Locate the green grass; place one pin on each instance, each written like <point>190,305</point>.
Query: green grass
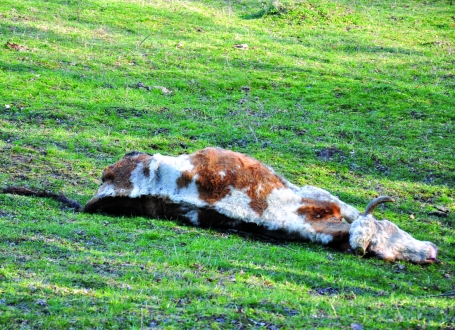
<point>357,97</point>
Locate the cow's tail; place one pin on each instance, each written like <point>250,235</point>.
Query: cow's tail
<point>43,193</point>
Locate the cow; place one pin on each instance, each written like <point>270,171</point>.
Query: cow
<point>219,188</point>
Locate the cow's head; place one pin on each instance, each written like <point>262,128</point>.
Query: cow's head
<point>385,240</point>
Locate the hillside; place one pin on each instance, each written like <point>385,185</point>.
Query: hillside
<point>357,97</point>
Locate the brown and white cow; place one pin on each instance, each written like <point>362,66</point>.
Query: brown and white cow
<point>220,188</point>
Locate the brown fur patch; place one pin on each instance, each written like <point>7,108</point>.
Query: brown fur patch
<point>119,173</point>
<point>146,168</point>
<point>314,210</point>
<point>218,170</point>
<point>325,218</point>
<point>184,180</point>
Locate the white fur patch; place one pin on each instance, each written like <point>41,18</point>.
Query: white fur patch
<point>106,190</point>
<point>323,238</point>
<point>236,206</point>
<point>140,182</point>
<point>166,171</point>
<point>280,214</point>
<point>193,216</point>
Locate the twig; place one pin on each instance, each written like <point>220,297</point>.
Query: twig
<point>254,134</point>
<point>143,40</point>
<point>334,311</point>
<point>445,294</point>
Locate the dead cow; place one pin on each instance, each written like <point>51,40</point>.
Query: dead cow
<point>220,188</point>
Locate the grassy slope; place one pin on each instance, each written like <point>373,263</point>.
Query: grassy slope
<point>354,97</point>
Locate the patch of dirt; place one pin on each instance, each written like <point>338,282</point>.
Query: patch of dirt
<point>235,143</point>
<point>37,117</point>
<point>30,166</point>
<point>417,114</point>
<point>296,131</point>
<point>162,131</point>
<point>89,283</point>
<point>329,153</point>
<point>346,293</point>
<point>324,291</point>
<point>7,214</point>
<point>379,166</point>
<point>122,112</point>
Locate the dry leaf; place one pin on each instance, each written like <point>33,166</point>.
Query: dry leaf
<point>241,46</point>
<point>16,47</point>
<point>163,89</point>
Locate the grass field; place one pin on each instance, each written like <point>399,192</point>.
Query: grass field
<point>357,97</point>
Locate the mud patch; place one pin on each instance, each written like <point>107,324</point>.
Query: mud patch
<point>235,143</point>
<point>346,293</point>
<point>330,153</point>
<point>48,116</point>
<point>89,283</point>
<point>324,292</point>
<point>122,112</point>
<point>379,166</point>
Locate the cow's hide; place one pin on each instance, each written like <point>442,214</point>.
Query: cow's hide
<point>220,188</point>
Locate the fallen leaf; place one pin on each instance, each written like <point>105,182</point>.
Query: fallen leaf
<point>438,214</point>
<point>16,47</point>
<point>442,209</point>
<point>141,85</point>
<point>241,46</point>
<point>163,89</point>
